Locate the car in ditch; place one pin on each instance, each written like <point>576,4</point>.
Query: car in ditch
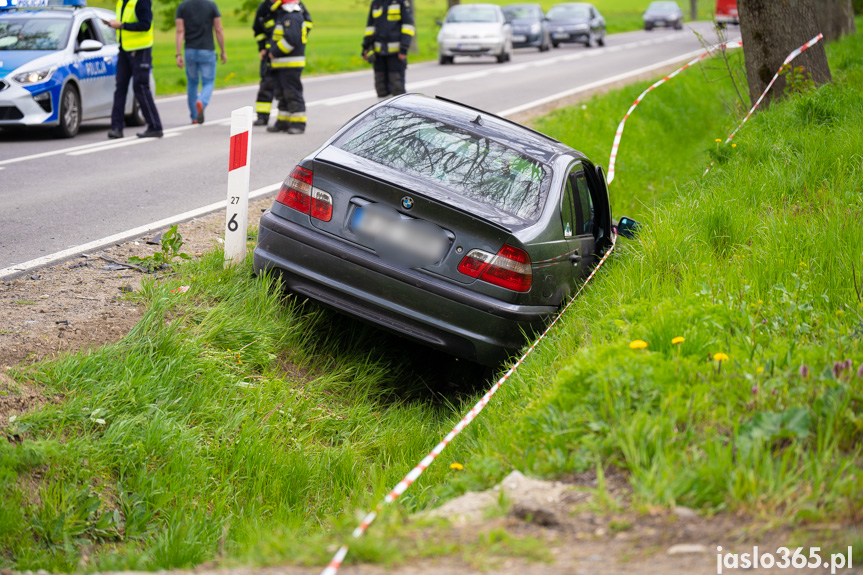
<point>439,222</point>
<point>474,30</point>
<point>58,64</point>
<point>576,22</point>
<point>663,14</point>
<point>529,26</point>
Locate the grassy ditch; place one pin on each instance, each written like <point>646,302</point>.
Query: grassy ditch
<point>235,424</point>
<point>334,46</point>
<point>758,262</point>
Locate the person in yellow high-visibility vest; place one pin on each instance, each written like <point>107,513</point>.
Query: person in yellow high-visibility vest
<point>134,26</point>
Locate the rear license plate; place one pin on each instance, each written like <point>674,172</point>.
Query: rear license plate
<point>469,47</point>
<point>519,38</point>
<point>410,242</point>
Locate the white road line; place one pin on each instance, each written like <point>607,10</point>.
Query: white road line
<point>122,143</point>
<point>136,232</point>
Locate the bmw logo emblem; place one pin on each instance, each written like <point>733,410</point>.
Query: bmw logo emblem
<point>407,202</point>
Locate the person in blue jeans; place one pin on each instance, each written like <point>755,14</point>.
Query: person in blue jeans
<point>196,20</point>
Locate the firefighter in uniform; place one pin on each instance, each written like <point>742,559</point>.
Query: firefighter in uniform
<point>389,32</point>
<point>291,27</point>
<point>265,21</point>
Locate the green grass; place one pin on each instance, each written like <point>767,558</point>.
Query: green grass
<point>237,425</point>
<point>335,43</point>
<point>755,260</point>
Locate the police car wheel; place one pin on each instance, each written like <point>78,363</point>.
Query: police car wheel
<point>70,113</point>
<point>135,118</point>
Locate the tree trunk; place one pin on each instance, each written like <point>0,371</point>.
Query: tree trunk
<point>770,31</point>
<point>835,18</point>
<point>693,9</point>
<point>454,2</point>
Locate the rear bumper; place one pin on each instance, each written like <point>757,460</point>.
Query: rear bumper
<point>413,304</point>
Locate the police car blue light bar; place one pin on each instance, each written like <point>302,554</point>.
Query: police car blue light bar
<point>11,4</point>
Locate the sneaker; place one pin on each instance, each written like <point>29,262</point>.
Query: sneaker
<point>199,106</point>
<point>261,121</point>
<point>150,134</point>
<point>296,130</point>
<point>115,134</point>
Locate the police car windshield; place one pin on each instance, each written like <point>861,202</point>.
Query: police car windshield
<point>468,13</point>
<point>21,33</point>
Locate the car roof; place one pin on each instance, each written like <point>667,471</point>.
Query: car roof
<point>53,13</point>
<point>529,142</point>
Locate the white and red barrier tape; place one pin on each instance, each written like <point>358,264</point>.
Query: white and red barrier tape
<point>402,485</point>
<point>613,157</point>
<point>790,57</point>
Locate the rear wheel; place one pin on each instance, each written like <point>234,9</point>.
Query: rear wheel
<point>601,41</point>
<point>555,44</point>
<point>445,60</point>
<point>70,112</point>
<point>135,118</point>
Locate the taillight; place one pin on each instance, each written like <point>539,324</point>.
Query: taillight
<point>509,269</point>
<point>298,193</point>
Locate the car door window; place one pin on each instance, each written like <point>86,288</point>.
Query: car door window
<point>567,211</point>
<point>109,36</point>
<point>583,203</point>
<point>87,31</point>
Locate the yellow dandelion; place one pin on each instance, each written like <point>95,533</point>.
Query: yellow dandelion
<point>678,340</point>
<point>759,369</point>
<point>733,145</point>
<point>720,356</point>
<point>456,466</point>
<point>718,140</point>
<point>638,344</point>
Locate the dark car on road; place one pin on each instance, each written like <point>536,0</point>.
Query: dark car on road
<point>666,14</point>
<point>576,22</point>
<point>529,26</point>
<point>439,222</point>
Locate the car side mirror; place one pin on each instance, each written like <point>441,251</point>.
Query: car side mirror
<point>90,46</point>
<point>627,228</point>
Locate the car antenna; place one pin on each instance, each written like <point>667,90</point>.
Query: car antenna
<point>477,120</point>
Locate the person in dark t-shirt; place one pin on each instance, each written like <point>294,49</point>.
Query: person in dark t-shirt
<point>196,20</point>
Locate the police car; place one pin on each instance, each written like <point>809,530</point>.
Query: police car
<point>58,61</point>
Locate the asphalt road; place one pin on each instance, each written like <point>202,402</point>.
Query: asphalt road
<point>56,195</point>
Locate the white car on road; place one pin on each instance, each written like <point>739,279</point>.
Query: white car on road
<point>474,30</point>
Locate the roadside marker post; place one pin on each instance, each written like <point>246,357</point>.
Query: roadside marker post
<point>239,174</point>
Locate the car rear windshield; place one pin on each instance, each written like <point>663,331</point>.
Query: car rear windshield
<point>468,13</point>
<point>521,12</point>
<point>34,33</point>
<point>470,165</point>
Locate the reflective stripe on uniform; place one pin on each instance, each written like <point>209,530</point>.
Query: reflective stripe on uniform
<point>393,46</point>
<point>269,23</point>
<point>284,46</point>
<point>377,13</point>
<point>260,37</point>
<point>289,62</point>
<point>298,118</point>
<point>409,30</point>
<point>263,107</point>
<point>370,30</point>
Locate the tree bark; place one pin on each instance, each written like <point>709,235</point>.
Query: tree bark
<point>693,9</point>
<point>770,31</point>
<point>454,2</point>
<point>835,18</point>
